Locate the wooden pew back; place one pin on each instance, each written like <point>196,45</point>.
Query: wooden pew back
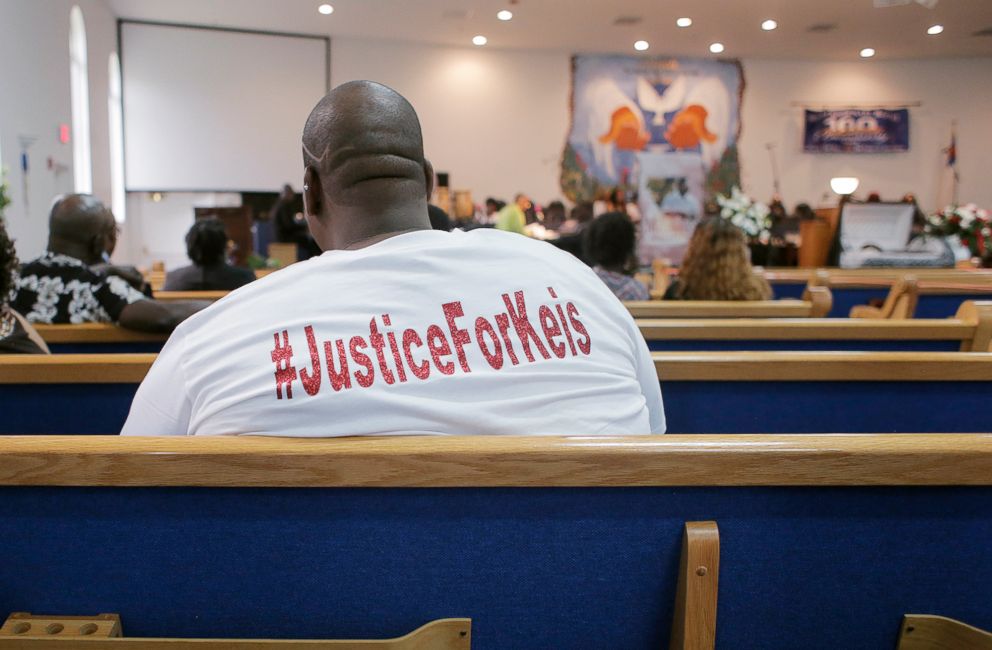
<point>817,306</point>
<point>95,338</point>
<point>542,542</point>
<point>824,392</point>
<point>705,392</point>
<point>939,291</point>
<point>190,295</point>
<point>968,332</point>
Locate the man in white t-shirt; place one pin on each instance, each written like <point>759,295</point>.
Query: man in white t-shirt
<point>397,328</point>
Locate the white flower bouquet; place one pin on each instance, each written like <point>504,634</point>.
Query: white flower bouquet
<point>753,217</point>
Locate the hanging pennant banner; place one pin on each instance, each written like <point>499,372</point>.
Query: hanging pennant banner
<point>856,131</point>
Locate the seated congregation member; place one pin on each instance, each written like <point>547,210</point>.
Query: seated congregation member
<point>129,274</point>
<point>717,266</point>
<point>397,328</point>
<point>572,239</point>
<point>513,217</point>
<point>60,286</point>
<point>609,241</point>
<point>554,215</point>
<point>16,334</point>
<point>206,246</point>
<point>439,218</point>
<point>578,219</point>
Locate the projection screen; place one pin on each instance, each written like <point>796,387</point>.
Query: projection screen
<point>209,109</point>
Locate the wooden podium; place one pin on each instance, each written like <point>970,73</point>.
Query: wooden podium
<point>817,235</point>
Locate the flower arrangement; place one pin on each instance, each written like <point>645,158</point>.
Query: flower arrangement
<point>4,196</point>
<point>753,217</point>
<point>971,224</point>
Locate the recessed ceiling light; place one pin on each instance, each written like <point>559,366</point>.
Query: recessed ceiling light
<point>935,29</point>
<point>505,15</point>
<point>479,40</point>
<point>769,25</point>
<point>640,46</point>
<point>716,48</point>
<point>684,22</point>
<point>867,53</point>
<point>326,9</point>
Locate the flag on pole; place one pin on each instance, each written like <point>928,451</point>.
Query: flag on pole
<point>947,190</point>
<point>952,151</point>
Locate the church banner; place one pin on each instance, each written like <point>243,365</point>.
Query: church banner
<point>852,130</point>
<point>661,129</point>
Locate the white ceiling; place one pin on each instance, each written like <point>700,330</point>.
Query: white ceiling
<point>587,25</point>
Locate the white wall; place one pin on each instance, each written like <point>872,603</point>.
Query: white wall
<point>948,89</point>
<point>156,230</point>
<point>34,101</point>
<point>496,120</point>
<point>236,101</point>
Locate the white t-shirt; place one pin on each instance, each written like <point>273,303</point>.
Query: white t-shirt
<point>428,332</point>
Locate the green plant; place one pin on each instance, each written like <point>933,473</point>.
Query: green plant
<point>4,192</point>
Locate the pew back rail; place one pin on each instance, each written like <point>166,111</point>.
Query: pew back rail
<point>972,326</point>
<point>499,461</point>
<point>817,306</point>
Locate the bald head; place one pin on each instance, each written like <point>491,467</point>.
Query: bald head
<point>363,150</point>
<point>80,226</point>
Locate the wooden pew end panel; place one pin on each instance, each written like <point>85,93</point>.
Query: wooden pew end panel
<point>99,632</point>
<point>979,315</point>
<point>23,625</point>
<point>821,299</point>
<point>694,621</point>
<point>923,632</point>
<point>900,303</point>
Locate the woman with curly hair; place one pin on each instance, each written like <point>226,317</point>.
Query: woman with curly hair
<point>717,266</point>
<point>16,335</point>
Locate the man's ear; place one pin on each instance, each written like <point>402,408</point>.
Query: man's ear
<point>429,178</point>
<point>313,194</point>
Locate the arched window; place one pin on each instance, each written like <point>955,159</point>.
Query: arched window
<point>115,114</point>
<point>80,95</point>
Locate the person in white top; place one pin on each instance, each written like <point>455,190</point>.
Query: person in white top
<point>397,328</point>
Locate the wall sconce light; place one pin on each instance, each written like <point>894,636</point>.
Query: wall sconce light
<point>844,185</point>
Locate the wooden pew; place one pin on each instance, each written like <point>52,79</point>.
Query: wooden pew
<point>704,392</point>
<point>69,393</point>
<point>926,299</point>
<point>854,287</point>
<point>816,306</point>
<point>681,334</point>
<point>94,338</point>
<point>800,277</point>
<point>969,331</point>
<point>824,392</point>
<point>827,541</point>
<point>190,295</point>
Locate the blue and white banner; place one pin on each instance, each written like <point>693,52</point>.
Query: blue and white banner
<point>856,131</point>
<point>661,128</point>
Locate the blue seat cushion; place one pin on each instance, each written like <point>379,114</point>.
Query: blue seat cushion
<point>569,568</point>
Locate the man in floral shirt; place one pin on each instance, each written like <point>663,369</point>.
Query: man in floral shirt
<point>61,287</point>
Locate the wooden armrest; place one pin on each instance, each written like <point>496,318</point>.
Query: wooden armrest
<point>866,311</point>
